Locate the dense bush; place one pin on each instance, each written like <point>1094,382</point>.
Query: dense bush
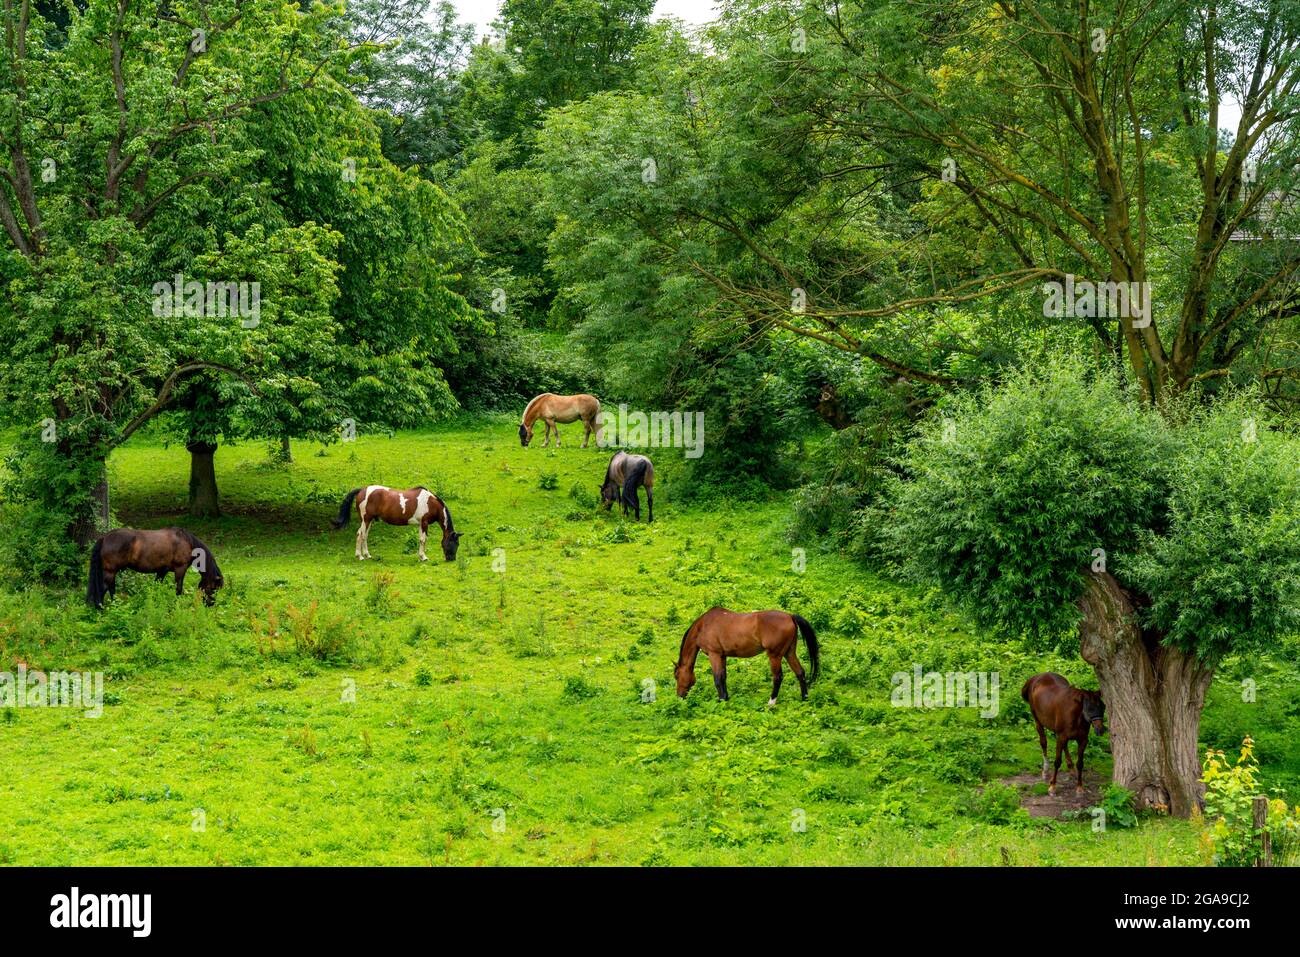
<point>1008,492</point>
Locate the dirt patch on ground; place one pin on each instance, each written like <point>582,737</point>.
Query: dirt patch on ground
<point>1046,805</point>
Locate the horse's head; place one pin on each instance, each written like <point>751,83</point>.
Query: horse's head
<point>685,675</point>
<point>525,435</point>
<point>608,493</point>
<point>449,546</point>
<point>211,581</point>
<point>1094,710</point>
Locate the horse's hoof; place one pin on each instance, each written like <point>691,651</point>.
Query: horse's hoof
<point>1052,791</point>
<point>1080,790</point>
<point>771,702</point>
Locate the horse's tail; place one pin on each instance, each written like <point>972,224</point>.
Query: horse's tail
<point>346,508</point>
<point>633,479</point>
<point>814,649</point>
<point>95,585</point>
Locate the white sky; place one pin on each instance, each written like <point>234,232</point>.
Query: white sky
<point>695,12</point>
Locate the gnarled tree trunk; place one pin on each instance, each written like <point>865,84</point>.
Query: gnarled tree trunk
<point>203,480</point>
<point>1153,694</point>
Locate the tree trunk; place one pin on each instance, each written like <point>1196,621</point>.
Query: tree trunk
<point>93,521</point>
<point>286,449</point>
<point>1153,695</point>
<point>203,481</point>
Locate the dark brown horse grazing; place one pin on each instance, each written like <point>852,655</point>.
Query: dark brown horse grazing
<point>160,551</point>
<point>723,634</point>
<point>556,410</point>
<point>626,473</point>
<point>414,506</point>
<point>1069,712</point>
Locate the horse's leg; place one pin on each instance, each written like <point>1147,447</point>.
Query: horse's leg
<point>1083,743</point>
<point>424,535</point>
<point>775,661</point>
<point>719,664</point>
<point>1056,768</point>
<point>586,431</point>
<point>110,583</point>
<point>650,505</point>
<point>180,579</point>
<point>161,575</point>
<point>361,537</point>
<point>556,426</point>
<point>797,668</point>
<point>365,537</point>
<point>1042,743</point>
<point>1069,761</point>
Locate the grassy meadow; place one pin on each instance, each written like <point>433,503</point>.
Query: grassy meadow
<point>328,711</point>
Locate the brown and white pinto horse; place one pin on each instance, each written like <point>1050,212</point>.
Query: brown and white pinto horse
<point>414,506</point>
<point>561,409</point>
<point>723,634</point>
<point>1069,712</point>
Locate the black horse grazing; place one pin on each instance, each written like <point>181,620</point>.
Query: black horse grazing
<point>160,551</point>
<point>1069,712</point>
<point>627,473</point>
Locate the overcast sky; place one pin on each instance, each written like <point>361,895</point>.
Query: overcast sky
<point>483,12</point>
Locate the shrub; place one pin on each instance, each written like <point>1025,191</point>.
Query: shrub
<point>1229,823</point>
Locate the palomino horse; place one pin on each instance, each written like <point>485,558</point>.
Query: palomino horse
<point>723,634</point>
<point>626,474</point>
<point>160,551</point>
<point>561,409</point>
<point>414,506</point>
<point>1069,712</point>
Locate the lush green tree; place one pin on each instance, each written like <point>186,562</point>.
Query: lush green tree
<point>219,141</point>
<point>900,180</point>
<point>1170,540</point>
<point>412,81</point>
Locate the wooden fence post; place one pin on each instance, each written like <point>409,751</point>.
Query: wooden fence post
<point>1259,808</point>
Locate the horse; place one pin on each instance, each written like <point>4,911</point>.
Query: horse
<point>160,551</point>
<point>1069,712</point>
<point>626,473</point>
<point>723,634</point>
<point>413,506</point>
<point>561,409</point>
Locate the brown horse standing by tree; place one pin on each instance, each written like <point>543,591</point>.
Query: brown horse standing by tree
<point>159,551</point>
<point>413,506</point>
<point>722,634</point>
<point>627,472</point>
<point>561,409</point>
<point>1069,712</point>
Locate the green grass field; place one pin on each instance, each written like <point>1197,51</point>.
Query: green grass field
<point>328,711</point>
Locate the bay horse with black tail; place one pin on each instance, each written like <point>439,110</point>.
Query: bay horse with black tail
<point>722,634</point>
<point>556,410</point>
<point>1069,712</point>
<point>159,551</point>
<point>626,474</point>
<point>412,506</point>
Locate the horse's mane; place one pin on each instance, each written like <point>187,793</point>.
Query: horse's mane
<point>609,469</point>
<point>682,650</point>
<point>209,576</point>
<point>529,407</point>
<point>446,514</point>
